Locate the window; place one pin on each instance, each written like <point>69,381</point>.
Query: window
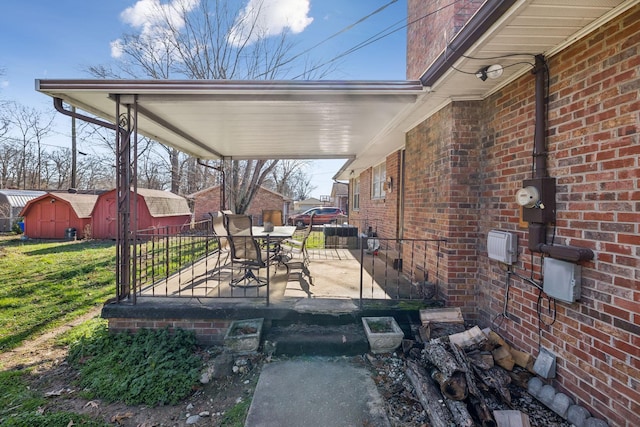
<point>355,205</point>
<point>379,176</point>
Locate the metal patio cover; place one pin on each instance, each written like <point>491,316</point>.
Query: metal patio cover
<point>213,119</point>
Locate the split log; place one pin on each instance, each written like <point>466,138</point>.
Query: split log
<point>440,322</point>
<point>459,413</point>
<point>503,358</point>
<point>481,359</point>
<point>496,340</point>
<point>497,379</point>
<point>512,419</point>
<point>450,387</point>
<point>429,396</point>
<point>521,358</point>
<point>478,401</point>
<point>453,383</point>
<point>471,339</point>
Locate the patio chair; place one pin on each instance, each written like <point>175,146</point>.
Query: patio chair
<point>220,233</point>
<point>297,258</point>
<point>245,251</point>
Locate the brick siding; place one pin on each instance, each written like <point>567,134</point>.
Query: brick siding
<point>208,200</point>
<point>431,25</point>
<point>463,167</point>
<point>208,331</point>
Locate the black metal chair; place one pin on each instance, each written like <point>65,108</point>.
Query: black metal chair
<point>246,251</point>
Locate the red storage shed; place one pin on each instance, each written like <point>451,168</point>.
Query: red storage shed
<point>156,209</point>
<point>53,215</point>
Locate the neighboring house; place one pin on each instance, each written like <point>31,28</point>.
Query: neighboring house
<point>340,195</point>
<point>155,209</point>
<point>53,215</point>
<point>466,155</point>
<point>207,202</point>
<point>303,205</point>
<point>11,203</point>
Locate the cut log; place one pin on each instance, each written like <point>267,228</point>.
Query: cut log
<point>478,401</point>
<point>442,315</point>
<point>497,379</point>
<point>503,358</point>
<point>511,419</point>
<point>440,322</point>
<point>481,359</point>
<point>453,383</point>
<point>453,387</point>
<point>521,358</point>
<point>459,413</point>
<point>429,396</point>
<point>495,339</point>
<point>471,339</point>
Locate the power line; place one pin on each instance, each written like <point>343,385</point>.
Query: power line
<point>378,36</point>
<point>343,30</point>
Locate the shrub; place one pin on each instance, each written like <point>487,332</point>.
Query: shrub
<point>148,367</point>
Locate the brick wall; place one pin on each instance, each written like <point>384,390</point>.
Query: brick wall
<point>208,331</point>
<point>208,200</point>
<point>441,199</point>
<point>463,167</point>
<point>431,25</point>
<point>380,214</point>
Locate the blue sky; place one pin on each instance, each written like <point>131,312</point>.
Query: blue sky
<point>61,38</point>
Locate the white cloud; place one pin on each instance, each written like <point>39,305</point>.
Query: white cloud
<point>151,18</point>
<point>270,18</point>
<point>4,84</point>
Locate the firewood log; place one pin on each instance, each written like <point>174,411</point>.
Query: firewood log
<point>453,383</point>
<point>453,387</point>
<point>471,339</point>
<point>429,396</point>
<point>478,401</point>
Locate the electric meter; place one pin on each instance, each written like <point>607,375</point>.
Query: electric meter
<point>528,197</point>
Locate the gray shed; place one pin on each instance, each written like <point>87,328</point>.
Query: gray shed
<point>11,203</point>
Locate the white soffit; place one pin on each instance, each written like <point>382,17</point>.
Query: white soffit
<point>251,119</point>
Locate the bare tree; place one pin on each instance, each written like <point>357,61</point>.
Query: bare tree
<point>208,40</point>
<point>30,126</point>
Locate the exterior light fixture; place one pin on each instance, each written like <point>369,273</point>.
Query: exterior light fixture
<point>490,71</point>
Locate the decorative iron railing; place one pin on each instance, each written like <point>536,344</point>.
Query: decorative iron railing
<point>188,262</point>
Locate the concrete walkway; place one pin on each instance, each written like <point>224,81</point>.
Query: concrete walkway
<point>328,392</point>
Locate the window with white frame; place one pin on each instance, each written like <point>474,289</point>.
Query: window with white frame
<point>378,177</point>
<point>355,202</point>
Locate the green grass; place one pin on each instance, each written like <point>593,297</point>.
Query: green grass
<point>19,406</point>
<point>46,284</point>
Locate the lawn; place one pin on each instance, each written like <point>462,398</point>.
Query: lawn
<point>46,284</point>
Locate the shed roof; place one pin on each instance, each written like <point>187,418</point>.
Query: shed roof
<point>164,203</point>
<point>82,204</point>
<point>19,198</point>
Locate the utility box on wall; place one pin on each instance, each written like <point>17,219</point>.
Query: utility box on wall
<point>562,279</point>
<point>544,212</point>
<point>502,246</point>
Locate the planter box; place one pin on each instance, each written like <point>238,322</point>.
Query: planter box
<point>243,336</point>
<point>383,333</point>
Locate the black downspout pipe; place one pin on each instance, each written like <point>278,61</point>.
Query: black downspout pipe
<point>538,230</point>
<point>223,186</point>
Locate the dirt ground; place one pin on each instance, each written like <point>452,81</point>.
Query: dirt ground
<point>55,379</point>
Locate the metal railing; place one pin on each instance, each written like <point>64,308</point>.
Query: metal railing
<point>187,261</point>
